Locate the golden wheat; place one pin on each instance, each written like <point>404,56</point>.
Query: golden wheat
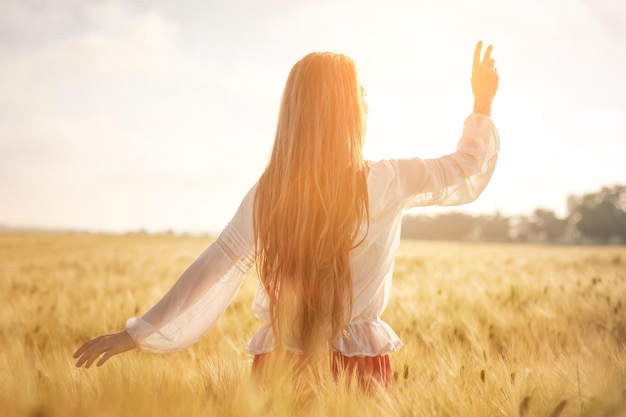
<point>488,330</point>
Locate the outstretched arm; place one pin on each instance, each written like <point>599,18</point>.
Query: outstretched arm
<point>193,304</point>
<point>460,177</point>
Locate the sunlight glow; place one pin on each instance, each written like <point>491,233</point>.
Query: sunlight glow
<point>111,107</point>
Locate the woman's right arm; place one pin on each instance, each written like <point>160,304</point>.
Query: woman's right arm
<point>202,293</point>
<point>193,304</point>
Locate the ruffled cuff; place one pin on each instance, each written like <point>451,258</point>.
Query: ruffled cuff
<point>142,332</point>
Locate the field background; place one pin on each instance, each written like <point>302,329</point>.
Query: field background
<point>488,330</point>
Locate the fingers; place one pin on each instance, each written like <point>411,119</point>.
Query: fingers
<point>487,63</point>
<point>477,50</point>
<point>487,54</point>
<point>109,345</point>
<point>486,67</point>
<point>496,80</point>
<point>94,355</point>
<point>89,357</point>
<point>81,361</point>
<point>84,347</point>
<point>106,357</point>
<point>484,74</point>
<point>90,351</point>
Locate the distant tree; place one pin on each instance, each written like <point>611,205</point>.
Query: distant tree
<point>412,226</point>
<point>521,228</point>
<point>447,226</point>
<point>495,228</point>
<point>546,226</point>
<point>600,216</point>
<point>454,226</point>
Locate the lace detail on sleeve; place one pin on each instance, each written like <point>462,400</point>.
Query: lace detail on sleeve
<point>236,247</point>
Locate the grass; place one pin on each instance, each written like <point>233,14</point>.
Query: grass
<point>488,330</point>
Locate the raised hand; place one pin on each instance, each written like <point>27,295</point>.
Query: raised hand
<point>109,344</point>
<point>484,80</point>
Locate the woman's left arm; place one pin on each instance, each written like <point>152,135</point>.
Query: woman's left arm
<point>460,177</point>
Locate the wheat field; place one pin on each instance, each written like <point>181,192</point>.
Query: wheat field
<point>488,330</point>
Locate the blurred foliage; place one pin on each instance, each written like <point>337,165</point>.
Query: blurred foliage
<point>593,218</point>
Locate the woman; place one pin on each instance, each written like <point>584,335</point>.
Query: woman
<point>323,227</point>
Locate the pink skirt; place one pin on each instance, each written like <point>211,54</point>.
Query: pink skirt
<point>365,369</point>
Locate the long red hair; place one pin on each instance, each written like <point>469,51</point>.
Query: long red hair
<point>311,202</point>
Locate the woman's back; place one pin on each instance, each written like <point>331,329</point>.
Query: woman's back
<point>394,185</point>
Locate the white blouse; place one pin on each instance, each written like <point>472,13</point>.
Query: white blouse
<point>205,289</point>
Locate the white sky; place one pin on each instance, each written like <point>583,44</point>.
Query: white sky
<point>123,115</point>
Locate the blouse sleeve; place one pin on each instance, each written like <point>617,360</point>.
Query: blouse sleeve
<point>203,291</point>
<point>456,178</point>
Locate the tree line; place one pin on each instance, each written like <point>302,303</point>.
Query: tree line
<point>593,218</point>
